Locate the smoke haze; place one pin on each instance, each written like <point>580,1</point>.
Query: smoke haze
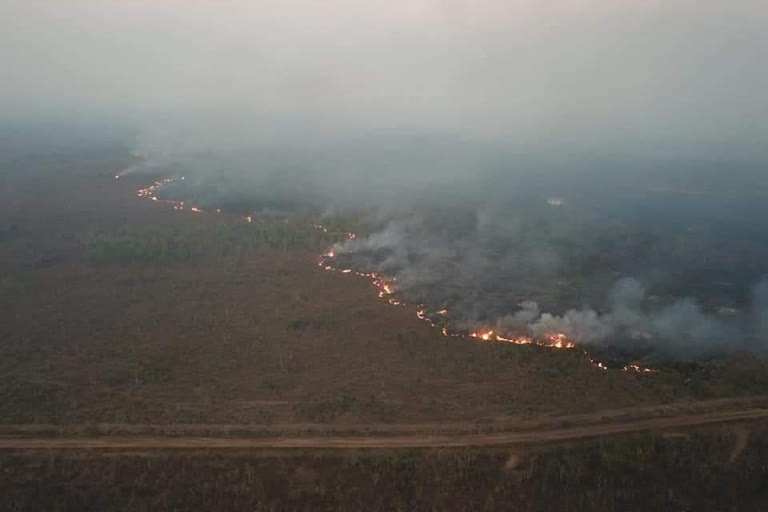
<point>680,78</point>
<point>590,167</point>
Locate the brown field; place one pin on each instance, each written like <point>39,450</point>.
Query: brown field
<point>717,469</point>
<point>250,333</point>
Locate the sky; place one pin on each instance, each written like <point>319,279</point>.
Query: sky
<point>678,78</point>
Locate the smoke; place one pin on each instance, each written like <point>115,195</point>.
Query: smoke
<point>523,156</point>
<point>564,76</point>
<point>520,320</point>
<point>490,278</point>
<point>760,300</point>
<point>680,330</point>
<point>584,327</point>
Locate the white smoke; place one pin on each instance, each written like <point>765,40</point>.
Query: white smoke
<point>463,273</point>
<point>585,327</point>
<point>519,320</point>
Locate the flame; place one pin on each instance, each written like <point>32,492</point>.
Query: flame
<point>639,369</point>
<point>149,193</point>
<point>494,336</point>
<point>386,288</point>
<point>559,340</point>
<point>522,340</point>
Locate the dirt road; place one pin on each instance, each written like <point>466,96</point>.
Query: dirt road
<point>414,440</point>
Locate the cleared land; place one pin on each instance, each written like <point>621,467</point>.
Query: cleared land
<point>413,440</point>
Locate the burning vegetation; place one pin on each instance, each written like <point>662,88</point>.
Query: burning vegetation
<point>150,193</point>
<point>387,290</point>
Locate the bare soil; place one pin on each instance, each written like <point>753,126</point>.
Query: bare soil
<point>415,439</point>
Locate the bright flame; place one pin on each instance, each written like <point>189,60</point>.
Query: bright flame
<point>494,336</point>
<point>552,341</point>
<point>149,193</point>
<point>386,287</point>
<point>559,340</point>
<point>638,369</point>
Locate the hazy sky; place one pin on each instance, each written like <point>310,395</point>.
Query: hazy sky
<point>683,77</point>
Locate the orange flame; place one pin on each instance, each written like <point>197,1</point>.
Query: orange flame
<point>638,369</point>
<point>386,289</point>
<point>559,340</point>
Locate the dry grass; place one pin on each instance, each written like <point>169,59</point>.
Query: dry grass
<point>254,334</point>
<point>650,472</point>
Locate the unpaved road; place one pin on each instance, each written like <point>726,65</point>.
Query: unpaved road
<point>528,437</point>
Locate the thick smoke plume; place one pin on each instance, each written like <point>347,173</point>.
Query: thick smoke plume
<point>525,279</point>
